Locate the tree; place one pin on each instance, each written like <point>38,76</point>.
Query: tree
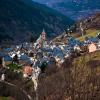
<point>31,38</point>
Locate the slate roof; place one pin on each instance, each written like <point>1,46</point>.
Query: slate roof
<point>72,42</point>
<point>46,49</point>
<point>7,49</point>
<point>93,39</point>
<point>24,57</point>
<point>57,51</point>
<point>2,54</point>
<point>7,58</point>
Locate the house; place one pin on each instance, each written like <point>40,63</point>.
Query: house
<point>36,63</point>
<point>93,39</point>
<point>84,48</point>
<point>31,54</point>
<point>12,54</point>
<point>67,49</point>
<point>77,48</point>
<point>92,47</point>
<point>39,55</point>
<point>24,59</point>
<point>6,60</point>
<point>52,60</point>
<point>27,71</point>
<point>88,40</point>
<point>7,49</point>
<point>2,54</point>
<point>72,42</point>
<point>67,55</point>
<point>98,35</point>
<point>58,52</point>
<point>59,61</point>
<point>61,47</point>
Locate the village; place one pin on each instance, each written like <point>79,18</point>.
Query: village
<point>43,52</point>
<point>32,59</point>
<point>49,50</point>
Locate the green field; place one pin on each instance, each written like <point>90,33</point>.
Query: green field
<point>14,66</point>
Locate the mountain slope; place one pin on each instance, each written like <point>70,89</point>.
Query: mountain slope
<point>20,18</point>
<point>74,8</point>
<point>90,24</point>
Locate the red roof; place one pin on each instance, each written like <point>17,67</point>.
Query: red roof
<point>27,70</point>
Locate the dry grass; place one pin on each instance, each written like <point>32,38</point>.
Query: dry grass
<point>89,33</point>
<point>78,79</point>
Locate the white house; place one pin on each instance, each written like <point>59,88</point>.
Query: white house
<point>77,48</point>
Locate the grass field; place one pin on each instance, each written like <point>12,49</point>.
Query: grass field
<point>89,33</point>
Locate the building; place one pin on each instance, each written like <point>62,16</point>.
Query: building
<point>92,47</point>
<point>27,71</point>
<point>41,41</point>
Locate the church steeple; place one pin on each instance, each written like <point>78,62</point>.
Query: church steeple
<point>43,35</point>
<point>41,41</point>
<point>43,32</point>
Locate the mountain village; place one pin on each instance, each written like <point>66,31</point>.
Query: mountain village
<point>35,59</point>
<point>32,59</point>
<point>49,50</point>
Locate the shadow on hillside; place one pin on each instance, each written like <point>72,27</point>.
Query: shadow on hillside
<point>7,90</point>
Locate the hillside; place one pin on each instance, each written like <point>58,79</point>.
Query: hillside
<point>91,25</point>
<point>21,18</point>
<point>74,8</point>
<point>76,79</point>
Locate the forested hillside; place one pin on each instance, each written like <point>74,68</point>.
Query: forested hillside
<point>21,18</point>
